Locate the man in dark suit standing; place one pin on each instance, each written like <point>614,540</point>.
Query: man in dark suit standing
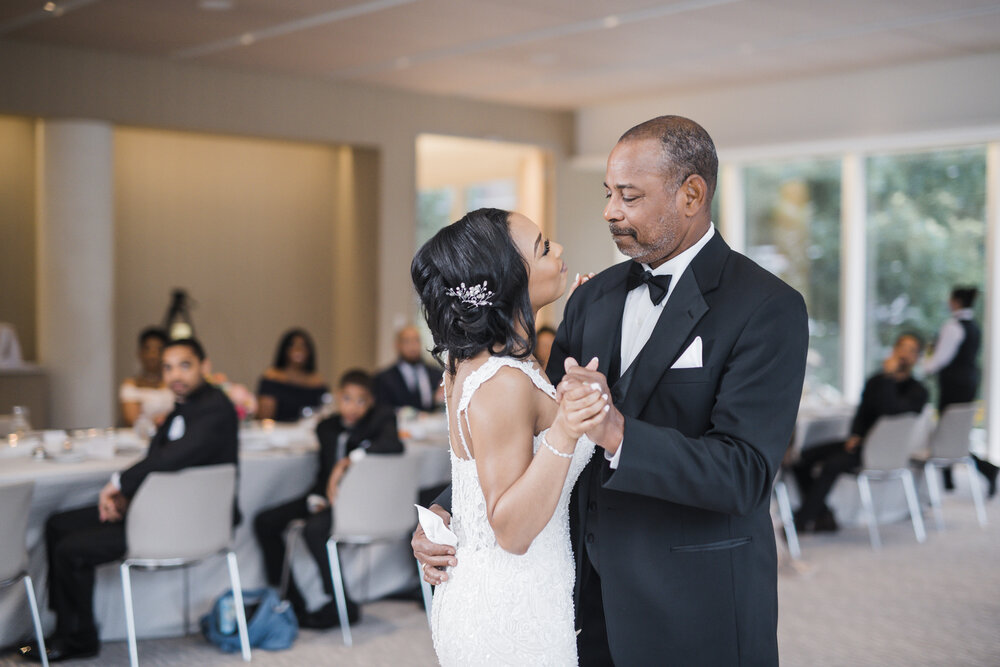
<point>359,426</point>
<point>703,353</point>
<point>201,430</point>
<point>409,382</point>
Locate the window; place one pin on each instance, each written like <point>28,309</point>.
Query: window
<point>926,234</point>
<point>793,230</point>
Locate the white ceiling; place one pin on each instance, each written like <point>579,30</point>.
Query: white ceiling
<point>561,54</point>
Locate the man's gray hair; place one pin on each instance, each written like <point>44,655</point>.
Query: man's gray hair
<point>687,148</point>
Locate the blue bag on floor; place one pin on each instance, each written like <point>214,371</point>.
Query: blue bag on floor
<point>271,622</point>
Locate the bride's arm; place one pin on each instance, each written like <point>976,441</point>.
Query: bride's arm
<point>522,490</point>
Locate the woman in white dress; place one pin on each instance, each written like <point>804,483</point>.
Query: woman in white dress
<point>144,398</point>
<point>515,451</point>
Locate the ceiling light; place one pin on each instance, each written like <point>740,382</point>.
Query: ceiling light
<point>49,6</point>
<point>611,21</point>
<point>247,39</point>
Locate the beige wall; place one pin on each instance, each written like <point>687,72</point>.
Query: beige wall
<point>17,229</point>
<point>259,232</point>
<point>51,82</point>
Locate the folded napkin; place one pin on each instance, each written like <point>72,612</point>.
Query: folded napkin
<point>434,527</point>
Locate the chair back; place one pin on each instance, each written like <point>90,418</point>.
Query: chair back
<point>15,501</point>
<point>890,441</point>
<point>376,497</point>
<point>183,515</point>
<point>950,440</point>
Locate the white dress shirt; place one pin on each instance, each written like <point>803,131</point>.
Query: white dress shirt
<point>418,382</point>
<point>949,340</point>
<point>640,315</point>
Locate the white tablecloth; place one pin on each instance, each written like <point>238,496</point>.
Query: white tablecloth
<point>267,477</point>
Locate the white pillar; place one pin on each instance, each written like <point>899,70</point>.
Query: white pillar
<point>992,296</point>
<point>853,281</point>
<point>76,270</point>
<point>732,206</point>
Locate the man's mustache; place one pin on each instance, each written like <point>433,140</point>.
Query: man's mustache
<point>618,231</point>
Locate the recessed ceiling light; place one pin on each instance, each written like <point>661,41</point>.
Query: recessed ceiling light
<point>247,39</point>
<point>216,5</point>
<point>611,21</point>
<point>49,6</point>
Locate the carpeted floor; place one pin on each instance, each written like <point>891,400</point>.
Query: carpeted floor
<point>935,604</point>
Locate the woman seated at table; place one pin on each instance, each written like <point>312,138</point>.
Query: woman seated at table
<point>359,426</point>
<point>145,397</point>
<point>292,383</point>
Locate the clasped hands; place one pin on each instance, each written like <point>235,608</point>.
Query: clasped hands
<point>577,385</point>
<point>111,504</point>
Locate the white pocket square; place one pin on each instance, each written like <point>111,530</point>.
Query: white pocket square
<point>691,358</point>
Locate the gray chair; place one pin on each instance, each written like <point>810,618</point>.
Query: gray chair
<point>15,500</point>
<point>949,445</point>
<point>375,503</point>
<point>886,456</point>
<point>780,490</point>
<point>175,520</point>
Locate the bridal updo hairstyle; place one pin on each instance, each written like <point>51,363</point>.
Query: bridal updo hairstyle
<point>475,249</point>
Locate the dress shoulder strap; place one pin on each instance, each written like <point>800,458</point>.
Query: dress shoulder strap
<point>481,375</point>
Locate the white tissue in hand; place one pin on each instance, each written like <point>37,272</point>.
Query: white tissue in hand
<point>434,527</point>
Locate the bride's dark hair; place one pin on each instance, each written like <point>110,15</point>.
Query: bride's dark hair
<point>477,248</point>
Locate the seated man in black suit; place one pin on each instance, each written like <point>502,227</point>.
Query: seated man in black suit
<point>410,381</point>
<point>359,426</point>
<point>892,391</point>
<point>201,430</point>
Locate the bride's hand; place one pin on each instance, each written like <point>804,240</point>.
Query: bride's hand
<point>579,280</point>
<point>433,557</point>
<point>582,407</point>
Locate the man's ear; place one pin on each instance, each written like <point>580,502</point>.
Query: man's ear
<point>693,194</point>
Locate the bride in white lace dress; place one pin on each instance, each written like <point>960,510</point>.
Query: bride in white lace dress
<point>507,598</point>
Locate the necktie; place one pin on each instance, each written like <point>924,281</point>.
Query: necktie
<point>658,285</point>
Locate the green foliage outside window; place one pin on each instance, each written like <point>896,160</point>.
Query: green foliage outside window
<point>926,234</point>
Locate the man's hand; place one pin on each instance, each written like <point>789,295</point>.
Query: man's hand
<point>333,484</point>
<point>433,557</point>
<point>852,443</point>
<point>111,504</point>
<point>609,433</point>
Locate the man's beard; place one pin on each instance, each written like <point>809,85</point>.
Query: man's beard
<point>646,253</point>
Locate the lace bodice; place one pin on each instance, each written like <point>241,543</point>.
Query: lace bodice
<point>498,607</point>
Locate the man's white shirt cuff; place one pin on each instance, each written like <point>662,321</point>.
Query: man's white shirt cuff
<point>116,480</point>
<point>613,460</point>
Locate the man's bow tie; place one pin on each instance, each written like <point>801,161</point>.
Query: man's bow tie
<point>658,285</point>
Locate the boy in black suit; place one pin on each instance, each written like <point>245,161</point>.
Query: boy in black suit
<point>359,425</point>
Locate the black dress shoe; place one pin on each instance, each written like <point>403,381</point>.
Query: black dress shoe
<point>327,617</point>
<point>826,523</point>
<point>61,648</point>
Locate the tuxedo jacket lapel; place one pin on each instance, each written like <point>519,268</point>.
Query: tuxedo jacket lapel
<point>602,335</point>
<point>683,311</point>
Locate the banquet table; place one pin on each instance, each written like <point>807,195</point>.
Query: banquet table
<point>276,465</point>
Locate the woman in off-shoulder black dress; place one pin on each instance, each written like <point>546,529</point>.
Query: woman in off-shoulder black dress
<point>291,383</point>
